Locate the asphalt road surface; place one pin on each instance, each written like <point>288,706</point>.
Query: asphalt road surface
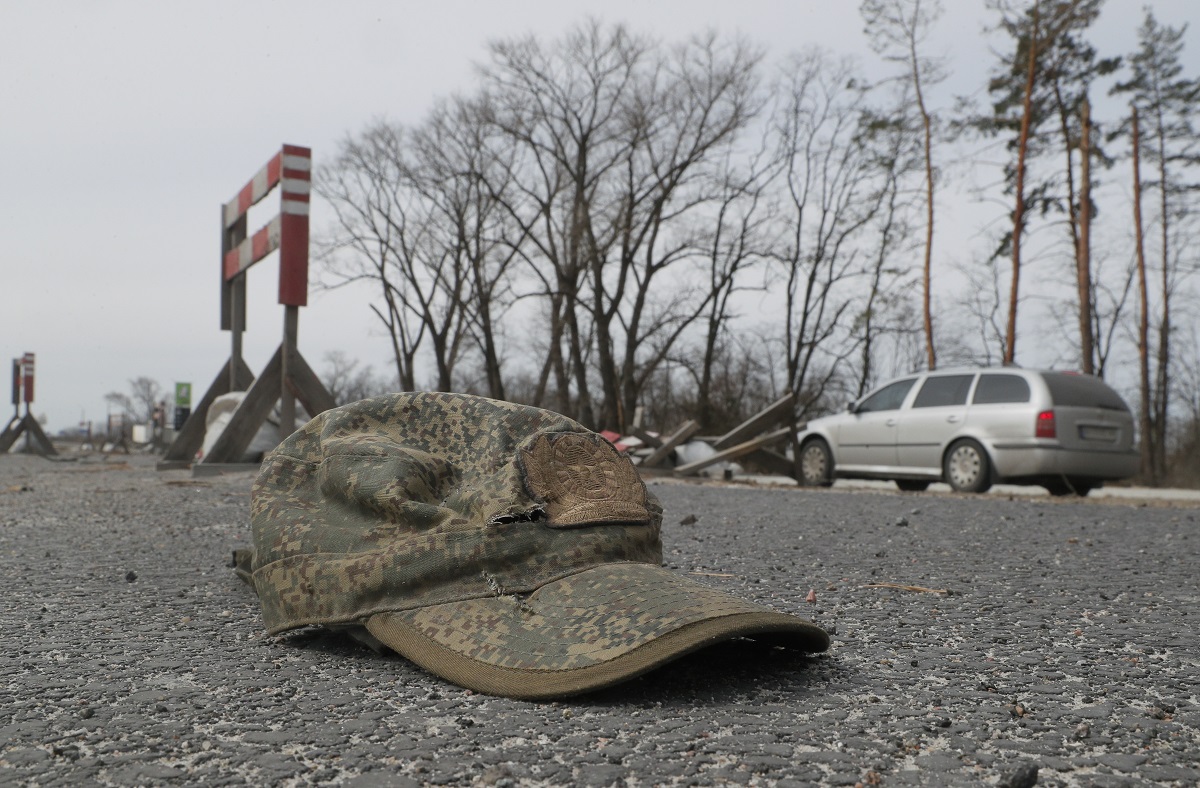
<point>976,641</point>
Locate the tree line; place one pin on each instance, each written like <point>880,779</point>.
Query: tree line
<point>609,225</point>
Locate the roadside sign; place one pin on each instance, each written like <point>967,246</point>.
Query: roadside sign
<point>183,404</point>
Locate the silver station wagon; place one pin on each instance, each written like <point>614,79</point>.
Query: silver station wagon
<point>973,428</point>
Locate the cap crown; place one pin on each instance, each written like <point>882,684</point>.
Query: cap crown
<point>410,500</point>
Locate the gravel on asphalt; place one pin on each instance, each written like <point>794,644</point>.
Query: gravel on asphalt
<point>976,641</point>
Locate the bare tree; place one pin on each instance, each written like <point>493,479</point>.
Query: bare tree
<point>417,215</point>
<point>618,139</point>
<point>347,381</point>
<point>366,185</point>
<point>461,171</point>
<point>735,245</point>
<point>563,108</point>
<point>826,196</point>
<point>898,30</point>
<point>894,151</point>
<point>139,404</point>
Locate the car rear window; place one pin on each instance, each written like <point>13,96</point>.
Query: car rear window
<point>944,390</point>
<point>1083,391</point>
<point>993,389</point>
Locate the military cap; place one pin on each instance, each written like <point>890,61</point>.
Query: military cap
<point>502,547</point>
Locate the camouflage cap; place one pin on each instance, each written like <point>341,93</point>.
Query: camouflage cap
<point>502,547</point>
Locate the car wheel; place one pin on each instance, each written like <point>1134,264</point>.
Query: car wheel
<point>966,467</point>
<point>912,485</point>
<point>816,464</point>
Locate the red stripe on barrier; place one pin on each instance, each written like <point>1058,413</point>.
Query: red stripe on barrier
<point>273,168</point>
<point>296,150</point>
<point>293,260</point>
<point>245,198</point>
<point>231,267</point>
<point>259,245</point>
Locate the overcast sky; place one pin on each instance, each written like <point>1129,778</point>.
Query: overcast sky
<point>125,125</point>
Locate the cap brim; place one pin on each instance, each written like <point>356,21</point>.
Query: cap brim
<point>584,632</point>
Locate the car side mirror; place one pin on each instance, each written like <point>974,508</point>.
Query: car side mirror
<point>851,407</point>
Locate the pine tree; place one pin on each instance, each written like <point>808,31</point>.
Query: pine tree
<point>1165,102</point>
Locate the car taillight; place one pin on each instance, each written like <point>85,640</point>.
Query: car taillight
<point>1045,425</point>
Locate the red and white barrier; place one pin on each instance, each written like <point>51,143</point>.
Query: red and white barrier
<point>27,374</point>
<point>291,170</point>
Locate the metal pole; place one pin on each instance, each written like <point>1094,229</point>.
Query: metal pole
<point>237,303</point>
<point>287,402</point>
<point>233,296</point>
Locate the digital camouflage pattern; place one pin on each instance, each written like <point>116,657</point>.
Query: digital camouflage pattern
<point>585,619</point>
<point>492,543</point>
<point>418,499</point>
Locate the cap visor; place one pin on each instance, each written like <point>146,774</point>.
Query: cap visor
<point>591,630</point>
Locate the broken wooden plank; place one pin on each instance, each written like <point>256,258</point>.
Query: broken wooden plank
<point>647,438</point>
<point>734,452</point>
<point>685,431</point>
<point>15,427</point>
<point>773,413</point>
<point>308,388</point>
<point>772,462</point>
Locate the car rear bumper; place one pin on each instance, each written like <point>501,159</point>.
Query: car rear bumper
<point>1025,460</point>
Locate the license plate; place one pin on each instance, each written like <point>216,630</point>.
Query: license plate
<point>1092,433</point>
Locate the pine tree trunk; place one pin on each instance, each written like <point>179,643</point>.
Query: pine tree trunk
<point>930,351</point>
<point>1010,344</point>
<point>1083,261</point>
<point>1163,387</point>
<point>1145,423</point>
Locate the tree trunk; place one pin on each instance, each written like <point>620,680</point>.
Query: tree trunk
<point>1010,343</point>
<point>1145,419</point>
<point>930,352</point>
<point>1083,265</point>
<point>1163,388</point>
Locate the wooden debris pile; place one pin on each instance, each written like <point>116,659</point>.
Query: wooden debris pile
<point>759,441</point>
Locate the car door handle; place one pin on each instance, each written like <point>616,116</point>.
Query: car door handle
<point>890,422</point>
<point>952,419</point>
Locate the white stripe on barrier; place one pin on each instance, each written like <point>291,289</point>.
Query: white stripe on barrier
<point>296,186</point>
<point>293,162</point>
<point>295,208</point>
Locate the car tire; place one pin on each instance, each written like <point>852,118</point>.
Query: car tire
<point>912,485</point>
<point>816,464</point>
<point>966,467</point>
